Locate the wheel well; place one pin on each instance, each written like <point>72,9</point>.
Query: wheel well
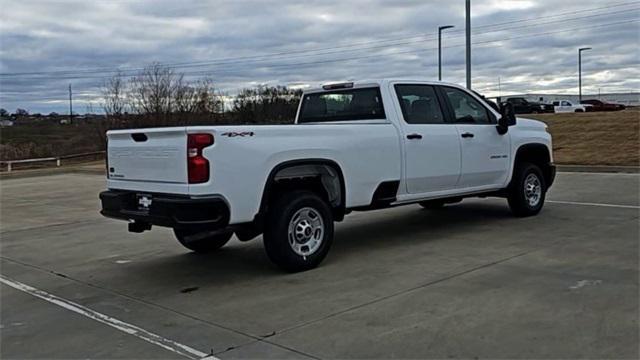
<point>537,154</point>
<point>323,177</point>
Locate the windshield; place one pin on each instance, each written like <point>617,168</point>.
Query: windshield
<point>342,105</point>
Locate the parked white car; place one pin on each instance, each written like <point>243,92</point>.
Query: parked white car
<point>353,147</point>
<point>564,106</point>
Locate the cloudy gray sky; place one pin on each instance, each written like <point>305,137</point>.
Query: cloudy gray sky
<point>527,45</point>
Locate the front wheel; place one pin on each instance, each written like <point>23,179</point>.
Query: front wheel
<point>299,231</point>
<point>200,242</point>
<point>527,191</point>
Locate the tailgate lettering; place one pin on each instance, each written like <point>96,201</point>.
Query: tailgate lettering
<point>145,153</point>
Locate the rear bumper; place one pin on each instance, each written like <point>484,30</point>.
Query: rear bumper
<point>173,211</point>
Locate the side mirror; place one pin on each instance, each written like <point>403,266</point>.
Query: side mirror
<point>508,118</point>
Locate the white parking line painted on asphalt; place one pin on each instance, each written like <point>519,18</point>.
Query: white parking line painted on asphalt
<point>138,332</point>
<point>593,204</point>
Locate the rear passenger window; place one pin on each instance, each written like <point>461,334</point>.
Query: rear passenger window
<point>342,105</point>
<point>419,104</point>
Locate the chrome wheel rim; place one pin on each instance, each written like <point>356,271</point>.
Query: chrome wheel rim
<point>532,190</point>
<point>306,231</point>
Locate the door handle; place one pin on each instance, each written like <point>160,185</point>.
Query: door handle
<point>414,136</point>
<point>467,135</point>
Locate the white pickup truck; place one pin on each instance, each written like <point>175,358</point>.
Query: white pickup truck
<point>566,106</point>
<point>354,147</point>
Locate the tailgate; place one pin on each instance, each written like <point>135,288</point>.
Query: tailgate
<point>150,155</point>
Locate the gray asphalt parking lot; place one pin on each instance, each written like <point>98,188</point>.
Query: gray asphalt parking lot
<point>467,281</point>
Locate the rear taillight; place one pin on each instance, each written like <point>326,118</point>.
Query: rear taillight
<point>197,164</point>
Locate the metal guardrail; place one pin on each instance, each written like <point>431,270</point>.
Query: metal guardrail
<point>57,159</point>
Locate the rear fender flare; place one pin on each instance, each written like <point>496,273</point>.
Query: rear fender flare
<point>331,176</point>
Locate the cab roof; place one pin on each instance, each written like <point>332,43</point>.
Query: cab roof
<point>373,82</point>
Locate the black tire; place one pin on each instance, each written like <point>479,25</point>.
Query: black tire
<point>432,204</point>
<point>579,110</point>
<point>202,245</point>
<point>292,209</point>
<point>522,202</point>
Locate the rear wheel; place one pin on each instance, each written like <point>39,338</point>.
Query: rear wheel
<point>527,191</point>
<point>200,242</point>
<point>299,231</point>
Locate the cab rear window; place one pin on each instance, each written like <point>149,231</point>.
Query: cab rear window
<point>342,105</point>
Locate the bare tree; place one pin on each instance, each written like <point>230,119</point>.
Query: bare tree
<point>266,105</point>
<point>196,101</point>
<point>152,93</point>
<point>208,101</point>
<point>114,105</point>
<point>185,96</point>
<point>114,96</point>
<point>158,96</point>
<point>21,112</point>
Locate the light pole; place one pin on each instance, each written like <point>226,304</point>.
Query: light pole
<point>580,72</point>
<point>440,49</point>
<point>70,106</point>
<point>468,41</point>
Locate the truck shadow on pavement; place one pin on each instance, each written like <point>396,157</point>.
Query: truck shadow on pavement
<point>411,225</point>
<point>368,236</point>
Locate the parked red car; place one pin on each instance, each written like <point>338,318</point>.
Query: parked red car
<point>597,105</point>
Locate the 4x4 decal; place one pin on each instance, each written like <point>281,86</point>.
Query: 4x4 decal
<point>234,134</point>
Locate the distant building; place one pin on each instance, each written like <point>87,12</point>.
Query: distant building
<point>628,99</point>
